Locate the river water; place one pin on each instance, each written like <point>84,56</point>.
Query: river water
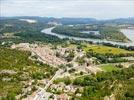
<point>128,32</point>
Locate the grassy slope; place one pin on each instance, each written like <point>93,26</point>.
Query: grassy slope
<point>26,69</point>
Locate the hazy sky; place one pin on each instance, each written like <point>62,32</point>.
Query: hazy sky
<point>100,9</point>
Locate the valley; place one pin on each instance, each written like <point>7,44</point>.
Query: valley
<point>39,64</point>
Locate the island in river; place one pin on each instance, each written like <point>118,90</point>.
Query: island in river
<point>127,32</point>
<point>111,33</point>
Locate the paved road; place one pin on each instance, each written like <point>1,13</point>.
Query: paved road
<point>58,73</point>
<point>42,94</point>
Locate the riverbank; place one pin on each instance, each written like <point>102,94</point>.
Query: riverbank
<point>49,31</point>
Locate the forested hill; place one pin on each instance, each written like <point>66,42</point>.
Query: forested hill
<point>16,30</point>
<point>75,20</point>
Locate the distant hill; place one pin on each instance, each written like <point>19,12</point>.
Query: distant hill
<point>120,21</point>
<point>75,20</point>
<point>78,21</point>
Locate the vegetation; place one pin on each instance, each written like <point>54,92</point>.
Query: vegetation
<point>26,32</point>
<point>70,56</point>
<point>16,67</point>
<point>80,60</point>
<point>19,68</point>
<point>66,80</point>
<point>73,31</point>
<point>112,33</point>
<point>105,50</point>
<point>10,96</point>
<point>105,32</point>
<point>106,54</point>
<point>109,68</point>
<point>114,81</point>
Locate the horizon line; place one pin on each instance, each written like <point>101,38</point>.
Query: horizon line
<point>73,17</point>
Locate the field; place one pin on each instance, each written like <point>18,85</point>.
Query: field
<point>109,68</point>
<point>105,49</point>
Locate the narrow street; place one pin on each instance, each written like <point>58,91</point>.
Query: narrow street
<point>42,94</point>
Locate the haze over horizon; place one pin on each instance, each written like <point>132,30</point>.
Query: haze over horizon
<point>99,9</point>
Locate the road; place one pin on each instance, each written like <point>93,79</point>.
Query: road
<point>42,94</point>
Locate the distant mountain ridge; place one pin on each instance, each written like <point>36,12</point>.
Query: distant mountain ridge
<point>68,21</point>
<point>120,21</point>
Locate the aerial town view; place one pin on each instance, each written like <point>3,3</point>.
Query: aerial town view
<point>66,50</point>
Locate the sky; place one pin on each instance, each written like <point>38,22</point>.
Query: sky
<point>100,9</point>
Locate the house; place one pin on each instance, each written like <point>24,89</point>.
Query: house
<point>63,97</point>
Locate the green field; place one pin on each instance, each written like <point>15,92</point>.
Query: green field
<point>105,49</point>
<point>109,68</point>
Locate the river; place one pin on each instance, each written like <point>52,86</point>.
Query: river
<point>128,32</point>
